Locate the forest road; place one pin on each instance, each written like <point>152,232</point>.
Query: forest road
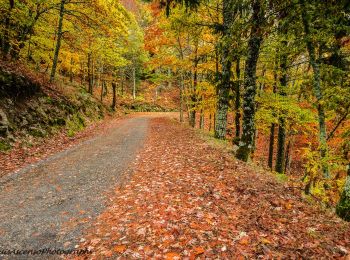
<point>50,203</point>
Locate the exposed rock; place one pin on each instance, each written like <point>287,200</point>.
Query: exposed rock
<point>4,124</point>
<point>37,131</point>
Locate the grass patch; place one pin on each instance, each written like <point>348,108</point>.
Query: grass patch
<point>4,146</point>
<point>281,177</point>
<point>75,124</point>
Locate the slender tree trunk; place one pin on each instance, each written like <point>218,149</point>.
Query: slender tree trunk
<point>90,76</point>
<point>181,98</point>
<point>316,88</point>
<point>99,71</point>
<point>287,160</point>
<point>271,145</point>
<point>224,85</point>
<point>192,117</point>
<point>122,85</point>
<point>238,100</point>
<point>169,76</point>
<point>281,123</point>
<point>201,120</point>
<point>193,95</point>
<point>102,89</point>
<point>273,125</point>
<point>134,83</point>
<point>209,122</point>
<point>281,142</point>
<point>5,43</point>
<point>246,144</point>
<point>58,41</point>
<point>114,101</point>
<point>71,70</point>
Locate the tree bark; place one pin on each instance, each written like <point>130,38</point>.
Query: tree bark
<point>209,122</point>
<point>134,83</point>
<point>194,89</point>
<point>102,89</point>
<point>71,70</point>
<point>201,120</point>
<point>58,41</point>
<point>114,101</point>
<point>90,76</point>
<point>238,100</point>
<point>316,88</point>
<point>287,160</point>
<point>224,84</point>
<point>271,145</point>
<point>181,98</point>
<point>281,143</point>
<point>246,144</point>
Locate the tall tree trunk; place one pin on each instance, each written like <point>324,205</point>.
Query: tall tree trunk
<point>273,125</point>
<point>238,100</point>
<point>102,89</point>
<point>209,122</point>
<point>194,90</point>
<point>71,70</point>
<point>281,143</point>
<point>246,144</point>
<point>192,116</point>
<point>201,120</point>
<point>316,88</point>
<point>169,78</point>
<point>122,84</point>
<point>182,98</point>
<point>90,76</point>
<point>224,84</point>
<point>114,101</point>
<point>134,83</point>
<point>287,160</point>
<point>58,41</point>
<point>5,40</point>
<point>271,145</point>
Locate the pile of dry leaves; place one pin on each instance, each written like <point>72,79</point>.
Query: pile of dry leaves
<point>187,199</point>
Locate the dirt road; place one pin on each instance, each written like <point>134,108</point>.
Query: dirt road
<point>48,204</point>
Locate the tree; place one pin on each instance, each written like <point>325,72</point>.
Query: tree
<point>246,143</point>
<point>316,86</point>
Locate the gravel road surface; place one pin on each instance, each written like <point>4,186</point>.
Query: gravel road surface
<point>50,203</point>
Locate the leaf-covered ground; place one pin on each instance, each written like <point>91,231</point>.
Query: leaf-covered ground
<point>188,199</point>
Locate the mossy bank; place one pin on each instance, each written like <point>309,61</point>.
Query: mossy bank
<point>32,109</point>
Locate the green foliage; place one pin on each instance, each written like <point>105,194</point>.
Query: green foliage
<point>273,106</point>
<point>75,124</point>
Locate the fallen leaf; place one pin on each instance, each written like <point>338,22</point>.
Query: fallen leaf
<point>172,256</point>
<point>198,250</point>
<point>120,248</point>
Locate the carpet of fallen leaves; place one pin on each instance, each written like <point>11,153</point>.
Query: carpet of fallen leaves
<point>188,199</point>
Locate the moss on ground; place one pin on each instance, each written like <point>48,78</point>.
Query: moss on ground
<point>75,124</point>
<point>4,146</point>
<point>343,207</point>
